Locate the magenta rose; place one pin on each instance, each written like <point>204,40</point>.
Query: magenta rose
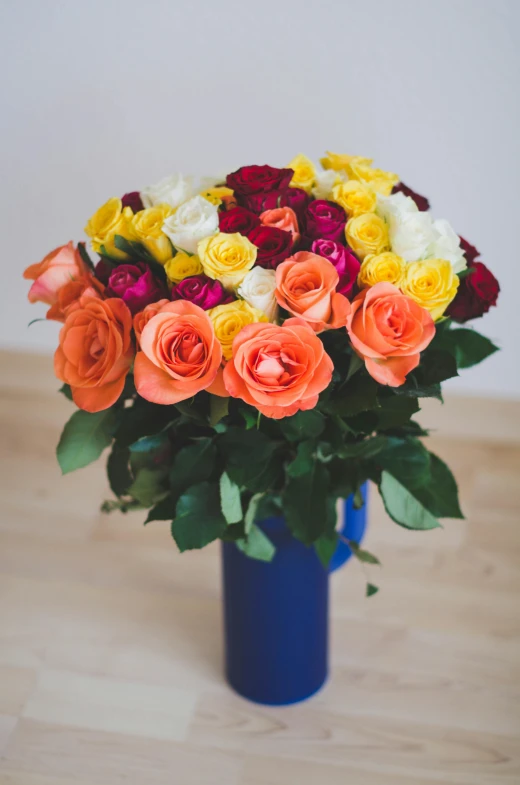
<point>295,198</point>
<point>325,220</point>
<point>135,285</point>
<point>238,219</point>
<point>202,291</point>
<point>421,201</point>
<point>274,245</point>
<point>258,179</point>
<point>133,200</point>
<point>470,252</point>
<point>343,260</point>
<point>477,292</point>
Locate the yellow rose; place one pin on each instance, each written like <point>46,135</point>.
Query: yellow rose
<point>229,319</point>
<point>227,257</point>
<point>109,220</point>
<point>340,163</point>
<point>431,283</point>
<point>147,230</point>
<point>381,181</point>
<point>304,173</point>
<point>182,266</point>
<point>367,234</point>
<point>217,195</point>
<point>356,198</point>
<point>387,267</point>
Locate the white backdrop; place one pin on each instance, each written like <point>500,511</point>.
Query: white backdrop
<point>100,97</point>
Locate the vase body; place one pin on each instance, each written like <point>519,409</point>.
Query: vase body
<point>276,615</point>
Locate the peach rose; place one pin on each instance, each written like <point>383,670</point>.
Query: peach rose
<point>180,355</point>
<point>95,352</point>
<point>282,218</point>
<point>279,370</point>
<point>68,296</point>
<point>143,317</point>
<point>60,266</point>
<point>388,331</point>
<point>306,287</point>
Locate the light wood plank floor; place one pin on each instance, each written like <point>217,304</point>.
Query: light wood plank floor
<point>110,641</point>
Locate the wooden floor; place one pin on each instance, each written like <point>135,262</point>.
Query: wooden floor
<point>110,641</point>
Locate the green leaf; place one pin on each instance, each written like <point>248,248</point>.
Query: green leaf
<point>163,510</point>
<point>395,411</point>
<point>469,346</point>
<point>371,589</point>
<point>304,460</point>
<point>143,419</point>
<point>305,503</point>
<point>192,465</point>
<point>66,391</point>
<point>118,470</point>
<point>325,547</point>
<point>84,438</point>
<point>440,495</point>
<point>252,508</point>
<point>250,416</point>
<point>366,448</point>
<point>356,363</point>
<point>149,443</point>
<point>302,425</point>
<point>218,408</point>
<point>189,409</point>
<point>87,261</point>
<point>364,556</point>
<point>415,388</point>
<point>406,459</point>
<point>249,458</point>
<point>358,395</point>
<point>198,519</point>
<point>257,545</point>
<point>437,366</point>
<point>230,502</point>
<point>148,486</point>
<point>403,507</point>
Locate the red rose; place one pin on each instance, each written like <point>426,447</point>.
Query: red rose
<point>238,219</point>
<point>421,201</point>
<point>133,200</point>
<point>478,291</point>
<point>258,179</point>
<point>325,220</point>
<point>274,245</point>
<point>470,252</point>
<point>295,198</point>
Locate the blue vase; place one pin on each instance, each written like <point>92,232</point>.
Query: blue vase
<point>276,617</point>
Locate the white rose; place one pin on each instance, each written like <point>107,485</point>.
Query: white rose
<point>172,190</point>
<point>191,222</point>
<point>324,183</point>
<point>411,235</point>
<point>392,208</point>
<point>257,289</point>
<point>447,245</point>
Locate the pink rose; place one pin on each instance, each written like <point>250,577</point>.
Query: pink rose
<point>59,267</point>
<point>282,218</point>
<point>346,264</point>
<point>136,285</point>
<point>202,291</point>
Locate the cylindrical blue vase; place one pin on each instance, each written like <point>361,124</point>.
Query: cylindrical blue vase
<point>276,615</point>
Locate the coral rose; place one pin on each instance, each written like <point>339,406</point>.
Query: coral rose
<point>388,331</point>
<point>143,317</point>
<point>179,356</point>
<point>95,352</point>
<point>60,266</point>
<point>306,287</point>
<point>279,370</point>
<point>282,218</point>
<point>68,296</point>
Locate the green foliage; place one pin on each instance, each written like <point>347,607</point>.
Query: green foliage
<point>303,462</point>
<point>257,545</point>
<point>118,470</point>
<point>148,486</point>
<point>359,394</point>
<point>325,546</point>
<point>250,458</point>
<point>87,261</point>
<point>198,519</point>
<point>192,464</point>
<point>304,501</point>
<point>230,502</point>
<point>404,507</point>
<point>84,438</point>
<point>219,408</point>
<point>440,495</point>
<point>407,460</point>
<point>395,411</point>
<point>371,589</point>
<point>66,391</point>
<point>362,555</point>
<point>302,425</point>
<point>467,346</point>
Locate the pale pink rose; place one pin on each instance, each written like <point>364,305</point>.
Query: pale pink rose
<point>59,267</point>
<point>282,218</point>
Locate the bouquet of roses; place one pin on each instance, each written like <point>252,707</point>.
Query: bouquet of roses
<point>258,344</point>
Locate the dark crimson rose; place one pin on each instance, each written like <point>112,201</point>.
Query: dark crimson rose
<point>202,291</point>
<point>238,219</point>
<point>295,198</point>
<point>324,220</point>
<point>135,285</point>
<point>421,201</point>
<point>343,260</point>
<point>258,179</point>
<point>102,271</point>
<point>274,245</point>
<point>470,252</point>
<point>133,200</point>
<point>478,291</point>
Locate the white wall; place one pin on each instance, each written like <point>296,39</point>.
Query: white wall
<point>101,97</point>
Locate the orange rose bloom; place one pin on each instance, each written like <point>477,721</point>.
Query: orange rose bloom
<point>144,316</point>
<point>179,356</point>
<point>388,330</point>
<point>306,287</point>
<point>59,267</point>
<point>279,370</point>
<point>68,296</point>
<point>282,218</point>
<point>95,352</point>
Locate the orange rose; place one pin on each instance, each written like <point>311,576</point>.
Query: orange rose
<point>179,356</point>
<point>59,267</point>
<point>306,287</point>
<point>389,331</point>
<point>282,218</point>
<point>279,370</point>
<point>143,317</point>
<point>95,352</point>
<point>68,296</point>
